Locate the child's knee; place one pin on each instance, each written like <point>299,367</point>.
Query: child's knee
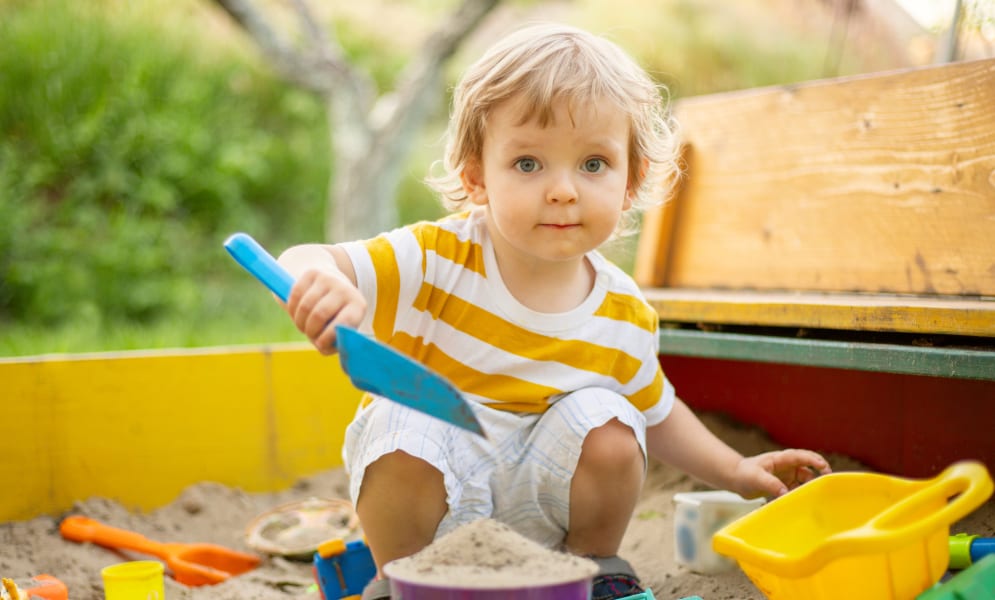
<point>401,477</point>
<point>399,466</point>
<point>611,447</point>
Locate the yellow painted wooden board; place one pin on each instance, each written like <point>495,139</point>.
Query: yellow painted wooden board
<point>882,183</point>
<point>655,236</point>
<point>140,427</point>
<point>848,312</point>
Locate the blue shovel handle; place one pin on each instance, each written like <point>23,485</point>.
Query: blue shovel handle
<point>256,260</point>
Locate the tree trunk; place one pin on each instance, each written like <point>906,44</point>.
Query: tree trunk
<point>370,140</point>
<point>353,210</point>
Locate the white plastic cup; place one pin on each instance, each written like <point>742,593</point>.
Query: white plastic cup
<point>697,517</point>
<point>135,580</point>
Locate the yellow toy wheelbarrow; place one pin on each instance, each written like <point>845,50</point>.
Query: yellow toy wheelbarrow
<point>855,535</point>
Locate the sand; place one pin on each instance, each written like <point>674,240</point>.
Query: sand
<point>208,512</point>
<point>490,555</point>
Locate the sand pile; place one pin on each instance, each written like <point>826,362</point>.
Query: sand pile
<point>489,554</point>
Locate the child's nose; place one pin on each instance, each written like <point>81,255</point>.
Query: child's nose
<point>561,189</point>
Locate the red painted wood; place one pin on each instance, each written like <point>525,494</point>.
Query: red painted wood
<point>907,425</point>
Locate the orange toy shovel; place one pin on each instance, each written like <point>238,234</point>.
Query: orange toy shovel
<point>192,564</point>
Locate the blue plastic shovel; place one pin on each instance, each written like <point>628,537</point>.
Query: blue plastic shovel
<point>372,366</point>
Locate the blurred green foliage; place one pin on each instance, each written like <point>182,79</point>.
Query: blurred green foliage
<point>135,136</point>
<point>127,153</point>
<point>707,46</point>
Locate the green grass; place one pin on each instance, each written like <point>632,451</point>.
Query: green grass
<point>230,314</point>
<point>84,337</point>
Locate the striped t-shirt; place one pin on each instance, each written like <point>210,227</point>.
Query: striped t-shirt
<point>435,293</point>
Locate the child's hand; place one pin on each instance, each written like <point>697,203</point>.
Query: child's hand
<point>772,474</point>
<point>319,301</point>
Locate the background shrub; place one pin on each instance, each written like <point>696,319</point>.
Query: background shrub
<point>128,152</point>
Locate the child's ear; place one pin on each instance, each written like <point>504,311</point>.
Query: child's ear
<point>472,177</point>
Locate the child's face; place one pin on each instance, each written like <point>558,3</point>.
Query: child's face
<point>553,193</point>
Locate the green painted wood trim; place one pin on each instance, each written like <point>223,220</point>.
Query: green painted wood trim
<point>862,356</point>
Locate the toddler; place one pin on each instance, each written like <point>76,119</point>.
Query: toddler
<point>556,139</point>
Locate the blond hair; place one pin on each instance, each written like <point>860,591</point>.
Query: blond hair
<point>542,64</point>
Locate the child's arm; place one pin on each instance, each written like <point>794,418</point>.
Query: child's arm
<point>684,442</point>
<point>324,294</point>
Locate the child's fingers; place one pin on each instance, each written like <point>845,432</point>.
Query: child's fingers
<point>805,473</point>
<point>318,312</point>
<point>325,341</point>
<point>319,301</point>
<point>794,458</point>
<point>312,303</point>
<point>772,486</point>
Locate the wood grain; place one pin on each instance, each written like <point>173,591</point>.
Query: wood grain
<point>882,183</point>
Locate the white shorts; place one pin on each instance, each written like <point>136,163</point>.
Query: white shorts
<point>520,475</point>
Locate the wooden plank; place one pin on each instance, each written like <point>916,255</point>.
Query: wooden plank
<point>654,245</point>
<point>656,234</point>
<point>881,183</point>
<point>886,358</point>
<point>848,312</point>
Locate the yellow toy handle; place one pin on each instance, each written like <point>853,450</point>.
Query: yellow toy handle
<point>904,522</point>
<point>969,480</point>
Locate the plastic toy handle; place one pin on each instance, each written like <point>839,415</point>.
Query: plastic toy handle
<point>968,480</point>
<point>981,547</point>
<point>331,548</point>
<point>256,260</point>
<point>48,587</point>
<point>904,521</point>
<point>83,529</point>
<point>965,550</point>
<point>960,550</point>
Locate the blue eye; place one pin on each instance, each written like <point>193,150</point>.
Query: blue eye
<point>594,165</point>
<point>527,165</point>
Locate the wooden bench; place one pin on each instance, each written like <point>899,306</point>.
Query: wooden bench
<point>830,256</point>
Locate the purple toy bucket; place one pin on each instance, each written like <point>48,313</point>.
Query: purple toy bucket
<point>568,590</point>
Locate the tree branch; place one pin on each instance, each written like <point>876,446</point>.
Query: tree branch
<point>327,45</point>
<point>417,83</point>
<point>322,70</point>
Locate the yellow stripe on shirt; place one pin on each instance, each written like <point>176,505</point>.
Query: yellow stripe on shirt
<point>492,329</point>
<point>448,245</point>
<point>623,307</point>
<point>388,286</point>
<point>649,395</point>
<point>513,394</point>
